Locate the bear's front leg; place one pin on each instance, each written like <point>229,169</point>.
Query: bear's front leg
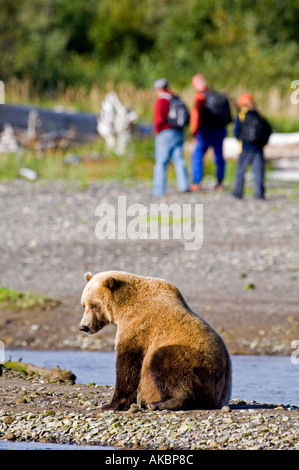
<point>128,367</point>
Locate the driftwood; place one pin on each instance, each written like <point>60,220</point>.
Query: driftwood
<point>47,120</point>
<point>115,123</point>
<point>53,375</point>
<point>42,129</point>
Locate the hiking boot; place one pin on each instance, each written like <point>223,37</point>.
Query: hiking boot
<point>194,187</point>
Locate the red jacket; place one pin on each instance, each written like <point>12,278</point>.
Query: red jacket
<point>161,110</point>
<point>196,112</point>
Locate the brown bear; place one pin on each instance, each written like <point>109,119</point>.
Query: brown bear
<point>167,357</point>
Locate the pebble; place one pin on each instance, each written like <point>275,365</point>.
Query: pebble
<point>21,400</point>
<point>225,409</point>
<point>134,409</point>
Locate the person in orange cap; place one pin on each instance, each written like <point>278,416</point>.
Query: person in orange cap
<point>209,116</point>
<point>246,100</point>
<point>253,131</point>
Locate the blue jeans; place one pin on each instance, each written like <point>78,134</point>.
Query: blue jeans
<point>255,158</point>
<point>208,137</point>
<point>169,146</point>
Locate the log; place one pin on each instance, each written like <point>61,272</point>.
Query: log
<point>83,124</point>
<point>56,374</point>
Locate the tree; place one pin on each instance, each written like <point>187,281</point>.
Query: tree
<point>53,42</point>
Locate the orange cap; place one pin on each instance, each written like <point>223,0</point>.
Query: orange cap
<point>245,99</point>
<point>199,82</point>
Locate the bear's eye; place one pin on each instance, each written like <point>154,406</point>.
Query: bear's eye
<point>93,306</point>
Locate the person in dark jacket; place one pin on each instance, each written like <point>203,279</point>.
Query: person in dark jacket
<point>253,131</point>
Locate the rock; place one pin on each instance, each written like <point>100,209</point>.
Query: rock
<point>8,419</point>
<point>115,425</point>
<point>213,443</point>
<point>133,409</point>
<point>225,409</point>
<point>21,400</point>
<point>49,413</point>
<point>27,173</point>
<point>249,286</point>
<point>227,421</point>
<point>240,402</point>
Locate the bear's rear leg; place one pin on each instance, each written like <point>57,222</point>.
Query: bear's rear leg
<point>172,373</point>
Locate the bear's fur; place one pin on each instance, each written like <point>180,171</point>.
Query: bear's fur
<point>167,356</point>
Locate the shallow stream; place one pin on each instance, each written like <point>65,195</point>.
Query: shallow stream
<point>268,379</point>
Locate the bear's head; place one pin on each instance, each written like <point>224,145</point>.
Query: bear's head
<point>97,301</point>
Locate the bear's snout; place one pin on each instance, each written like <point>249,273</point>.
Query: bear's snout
<point>84,328</point>
<point>92,323</point>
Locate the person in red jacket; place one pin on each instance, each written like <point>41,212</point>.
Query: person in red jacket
<point>205,135</point>
<point>201,86</point>
<point>168,143</point>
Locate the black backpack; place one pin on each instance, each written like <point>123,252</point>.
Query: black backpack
<point>178,116</point>
<point>255,129</point>
<point>216,111</point>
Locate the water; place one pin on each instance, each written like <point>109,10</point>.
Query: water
<point>14,445</point>
<point>266,379</point>
<point>87,366</point>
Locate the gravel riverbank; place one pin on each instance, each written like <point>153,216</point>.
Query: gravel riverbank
<point>33,410</point>
<point>243,280</point>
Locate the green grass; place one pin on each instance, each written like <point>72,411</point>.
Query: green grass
<point>283,124</point>
<point>96,163</point>
<point>23,300</point>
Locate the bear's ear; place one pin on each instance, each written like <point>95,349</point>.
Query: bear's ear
<point>88,276</point>
<point>111,283</point>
